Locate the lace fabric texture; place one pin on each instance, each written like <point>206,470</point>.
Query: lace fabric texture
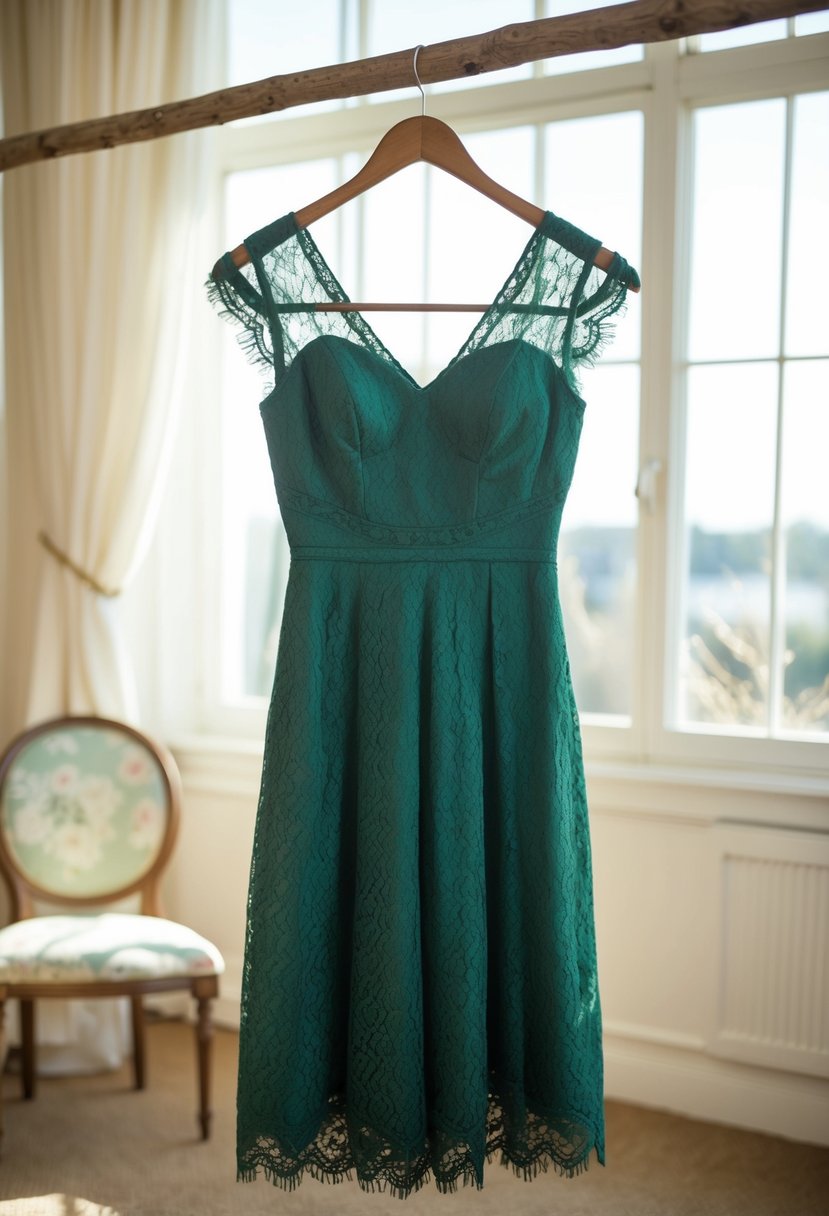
<point>555,299</point>
<point>420,991</point>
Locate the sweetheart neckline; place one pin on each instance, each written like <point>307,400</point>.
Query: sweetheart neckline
<point>509,288</point>
<point>422,390</point>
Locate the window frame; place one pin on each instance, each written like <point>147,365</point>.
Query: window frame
<point>783,68</point>
<point>666,85</point>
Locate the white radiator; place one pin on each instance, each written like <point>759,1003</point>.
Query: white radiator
<point>772,939</point>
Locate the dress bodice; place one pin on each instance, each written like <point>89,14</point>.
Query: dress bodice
<point>484,454</point>
<point>362,454</point>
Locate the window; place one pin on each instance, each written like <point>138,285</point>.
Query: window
<point>762,31</point>
<point>697,613</point>
<point>754,649</point>
<point>598,567</point>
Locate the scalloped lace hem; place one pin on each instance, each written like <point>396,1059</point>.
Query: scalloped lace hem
<point>330,1158</point>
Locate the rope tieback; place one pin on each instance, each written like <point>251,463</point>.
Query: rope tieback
<point>65,560</point>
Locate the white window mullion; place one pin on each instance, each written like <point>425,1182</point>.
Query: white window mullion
<point>777,629</point>
<point>540,165</point>
<point>663,174</point>
<point>539,11</point>
<point>360,268</point>
<point>363,20</point>
<point>675,565</point>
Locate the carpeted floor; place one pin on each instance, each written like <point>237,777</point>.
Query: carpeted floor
<point>91,1146</point>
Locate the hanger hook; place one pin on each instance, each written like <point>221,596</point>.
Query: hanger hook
<point>419,85</point>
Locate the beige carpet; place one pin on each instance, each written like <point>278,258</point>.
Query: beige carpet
<point>91,1146</point>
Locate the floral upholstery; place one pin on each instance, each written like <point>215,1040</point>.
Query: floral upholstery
<point>89,814</point>
<point>106,946</point>
<point>84,810</point>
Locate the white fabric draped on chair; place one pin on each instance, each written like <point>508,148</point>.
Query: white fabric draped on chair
<point>97,247</point>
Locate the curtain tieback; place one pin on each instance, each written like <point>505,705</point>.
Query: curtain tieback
<point>65,560</point>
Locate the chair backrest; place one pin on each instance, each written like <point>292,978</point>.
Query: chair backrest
<point>89,811</point>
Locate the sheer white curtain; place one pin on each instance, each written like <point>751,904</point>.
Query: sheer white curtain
<point>97,250</point>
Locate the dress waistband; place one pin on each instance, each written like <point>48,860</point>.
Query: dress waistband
<point>418,553</point>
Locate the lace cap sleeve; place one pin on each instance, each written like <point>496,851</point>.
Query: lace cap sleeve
<point>598,301</point>
<point>234,292</point>
<point>558,300</point>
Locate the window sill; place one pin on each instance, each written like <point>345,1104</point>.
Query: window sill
<point>228,767</point>
<point>745,780</point>
<point>704,794</point>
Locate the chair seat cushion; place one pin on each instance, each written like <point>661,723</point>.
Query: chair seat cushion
<point>107,946</point>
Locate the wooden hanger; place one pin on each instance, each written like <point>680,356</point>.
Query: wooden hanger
<point>421,138</point>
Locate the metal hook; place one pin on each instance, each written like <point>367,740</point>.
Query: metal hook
<point>419,85</point>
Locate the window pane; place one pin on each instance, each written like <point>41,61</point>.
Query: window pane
<point>393,27</point>
<point>745,35</point>
<point>597,550</point>
<point>464,224</point>
<point>254,550</point>
<point>729,503</point>
<point>255,197</point>
<point>253,559</point>
<point>807,303</point>
<point>586,59</point>
<point>736,241</point>
<point>440,258</point>
<point>805,503</point>
<point>266,39</point>
<point>604,198</point>
<point>597,553</point>
<point>393,267</point>
<point>811,23</point>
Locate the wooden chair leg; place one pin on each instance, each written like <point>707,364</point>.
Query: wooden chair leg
<point>27,1043</point>
<point>204,990</point>
<point>138,1041</point>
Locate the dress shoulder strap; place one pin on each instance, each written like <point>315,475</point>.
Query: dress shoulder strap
<point>559,300</point>
<point>271,299</point>
<point>556,298</point>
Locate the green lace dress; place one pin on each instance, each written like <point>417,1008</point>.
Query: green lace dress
<point>420,989</point>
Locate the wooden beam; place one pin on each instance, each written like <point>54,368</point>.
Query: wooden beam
<point>597,30</point>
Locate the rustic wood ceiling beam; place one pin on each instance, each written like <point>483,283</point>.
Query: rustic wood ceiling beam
<point>603,29</point>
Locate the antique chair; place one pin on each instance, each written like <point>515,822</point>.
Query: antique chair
<point>89,811</point>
